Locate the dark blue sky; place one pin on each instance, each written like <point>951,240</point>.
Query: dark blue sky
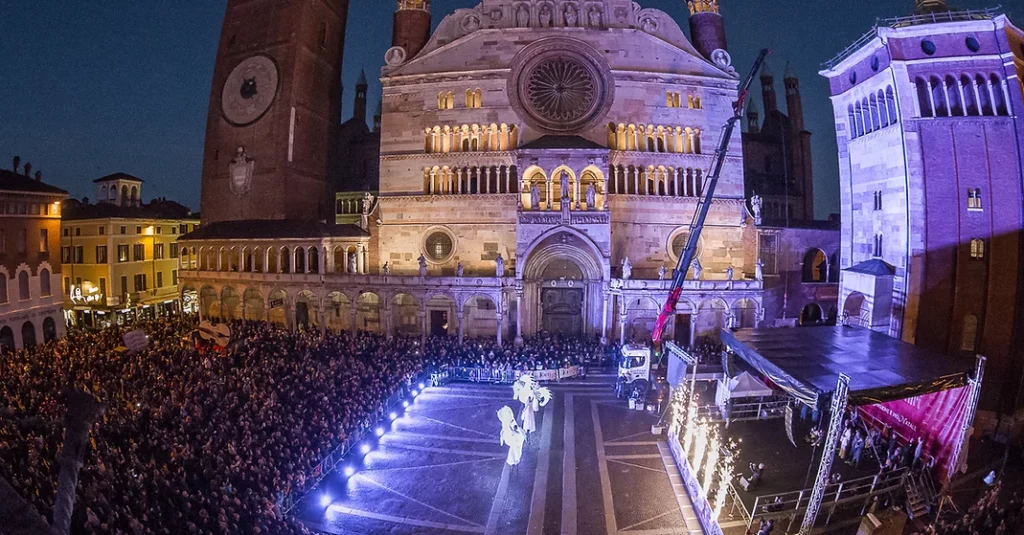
<point>120,85</point>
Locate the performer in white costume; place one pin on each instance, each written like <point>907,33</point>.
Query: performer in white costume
<point>533,397</point>
<point>511,435</point>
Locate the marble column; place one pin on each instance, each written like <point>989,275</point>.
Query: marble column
<point>423,325</point>
<point>604,317</point>
<point>289,313</point>
<point>550,205</point>
<point>360,259</point>
<point>497,318</point>
<point>388,328</point>
<point>622,328</point>
<point>353,328</point>
<point>487,179</point>
<point>693,328</point>
<point>460,315</point>
<point>519,318</point>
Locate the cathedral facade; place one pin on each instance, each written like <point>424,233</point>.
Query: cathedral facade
<point>540,164</point>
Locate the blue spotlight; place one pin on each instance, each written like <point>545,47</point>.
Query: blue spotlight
<point>393,415</point>
<point>380,431</point>
<point>349,471</point>
<point>325,500</point>
<point>415,393</point>
<point>365,448</point>
<point>405,404</point>
<point>422,386</point>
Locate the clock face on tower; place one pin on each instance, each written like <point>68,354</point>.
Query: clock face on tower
<point>249,90</point>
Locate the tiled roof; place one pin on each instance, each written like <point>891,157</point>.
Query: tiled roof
<point>876,267</point>
<point>270,230</point>
<point>11,181</point>
<point>75,210</point>
<point>118,176</point>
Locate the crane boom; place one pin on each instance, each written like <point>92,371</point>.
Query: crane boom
<point>704,206</point>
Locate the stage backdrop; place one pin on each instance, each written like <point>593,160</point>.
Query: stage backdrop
<point>937,417</point>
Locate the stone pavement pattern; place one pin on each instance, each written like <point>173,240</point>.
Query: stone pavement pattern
<point>591,468</point>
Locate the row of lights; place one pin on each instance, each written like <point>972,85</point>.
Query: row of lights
<point>366,447</point>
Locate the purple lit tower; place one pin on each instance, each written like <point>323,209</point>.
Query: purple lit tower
<point>930,144</point>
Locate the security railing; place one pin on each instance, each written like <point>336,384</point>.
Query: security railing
<point>855,491</point>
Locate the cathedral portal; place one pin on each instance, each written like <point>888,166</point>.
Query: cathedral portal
<point>563,286</point>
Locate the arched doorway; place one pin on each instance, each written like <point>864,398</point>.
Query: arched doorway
<point>277,303</point>
<point>49,330</point>
<point>209,305</point>
<point>253,309</point>
<point>811,315</point>
<point>28,335</point>
<point>229,301</point>
<point>744,313</point>
<point>562,283</point>
<point>480,317</point>
<point>711,319</point>
<point>6,340</point>
<point>815,266</point>
<point>441,316</point>
<point>306,310</point>
<point>855,310</point>
<point>405,320</point>
<point>338,312</point>
<point>368,312</point>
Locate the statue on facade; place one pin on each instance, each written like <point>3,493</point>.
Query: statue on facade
<point>564,180</point>
<point>499,266</point>
<point>571,18</point>
<point>661,273</point>
<point>756,205</point>
<point>759,270</point>
<point>545,16</point>
<point>627,269</point>
<point>387,269</point>
<point>523,16</point>
<point>591,197</point>
<point>534,197</point>
<point>595,17</point>
<point>352,263</point>
<point>697,269</point>
<point>730,273</point>
<point>367,202</point>
<point>460,270</point>
<point>423,266</point>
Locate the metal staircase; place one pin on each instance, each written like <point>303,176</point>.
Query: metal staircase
<point>921,494</point>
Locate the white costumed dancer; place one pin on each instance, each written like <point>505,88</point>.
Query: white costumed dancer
<point>511,435</point>
<point>526,391</point>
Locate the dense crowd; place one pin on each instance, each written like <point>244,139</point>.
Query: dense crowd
<point>194,440</point>
<point>990,515</point>
<point>544,352</point>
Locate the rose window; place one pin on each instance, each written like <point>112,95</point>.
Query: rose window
<point>561,90</point>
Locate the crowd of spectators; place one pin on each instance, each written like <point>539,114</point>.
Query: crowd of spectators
<point>194,440</point>
<point>990,515</point>
<point>543,352</point>
<point>198,439</point>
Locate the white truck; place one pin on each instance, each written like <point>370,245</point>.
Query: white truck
<point>634,371</point>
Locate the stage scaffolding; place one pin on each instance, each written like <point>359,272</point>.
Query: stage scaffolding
<point>766,351</point>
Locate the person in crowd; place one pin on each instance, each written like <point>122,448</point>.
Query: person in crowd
<point>994,513</point>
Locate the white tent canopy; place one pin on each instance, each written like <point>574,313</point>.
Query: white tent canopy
<point>743,385</point>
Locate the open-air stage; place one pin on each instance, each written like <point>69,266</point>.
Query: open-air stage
<point>592,467</point>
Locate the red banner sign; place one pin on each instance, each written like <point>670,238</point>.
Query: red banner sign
<point>936,417</point>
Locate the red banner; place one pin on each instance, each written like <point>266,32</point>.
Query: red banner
<point>936,417</point>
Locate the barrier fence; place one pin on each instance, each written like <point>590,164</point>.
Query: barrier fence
<point>326,465</point>
<point>498,376</point>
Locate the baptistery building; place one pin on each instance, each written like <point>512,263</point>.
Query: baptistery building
<point>540,164</point>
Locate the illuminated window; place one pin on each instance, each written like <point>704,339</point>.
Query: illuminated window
<point>439,246</point>
<point>978,249</point>
<point>974,199</point>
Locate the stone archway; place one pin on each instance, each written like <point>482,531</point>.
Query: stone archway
<point>562,285</point>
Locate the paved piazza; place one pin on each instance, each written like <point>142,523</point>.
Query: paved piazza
<point>592,467</point>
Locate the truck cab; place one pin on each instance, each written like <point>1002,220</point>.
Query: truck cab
<point>634,371</point>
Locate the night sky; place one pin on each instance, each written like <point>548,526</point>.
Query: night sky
<point>123,85</point>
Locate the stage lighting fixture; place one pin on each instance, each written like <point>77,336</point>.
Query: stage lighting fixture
<point>380,431</point>
<point>365,448</point>
<point>393,415</point>
<point>405,404</point>
<point>415,393</point>
<point>325,500</point>
<point>422,386</point>
<point>349,471</point>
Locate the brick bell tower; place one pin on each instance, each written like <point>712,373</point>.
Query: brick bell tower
<point>707,28</point>
<point>275,107</point>
<point>411,26</point>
